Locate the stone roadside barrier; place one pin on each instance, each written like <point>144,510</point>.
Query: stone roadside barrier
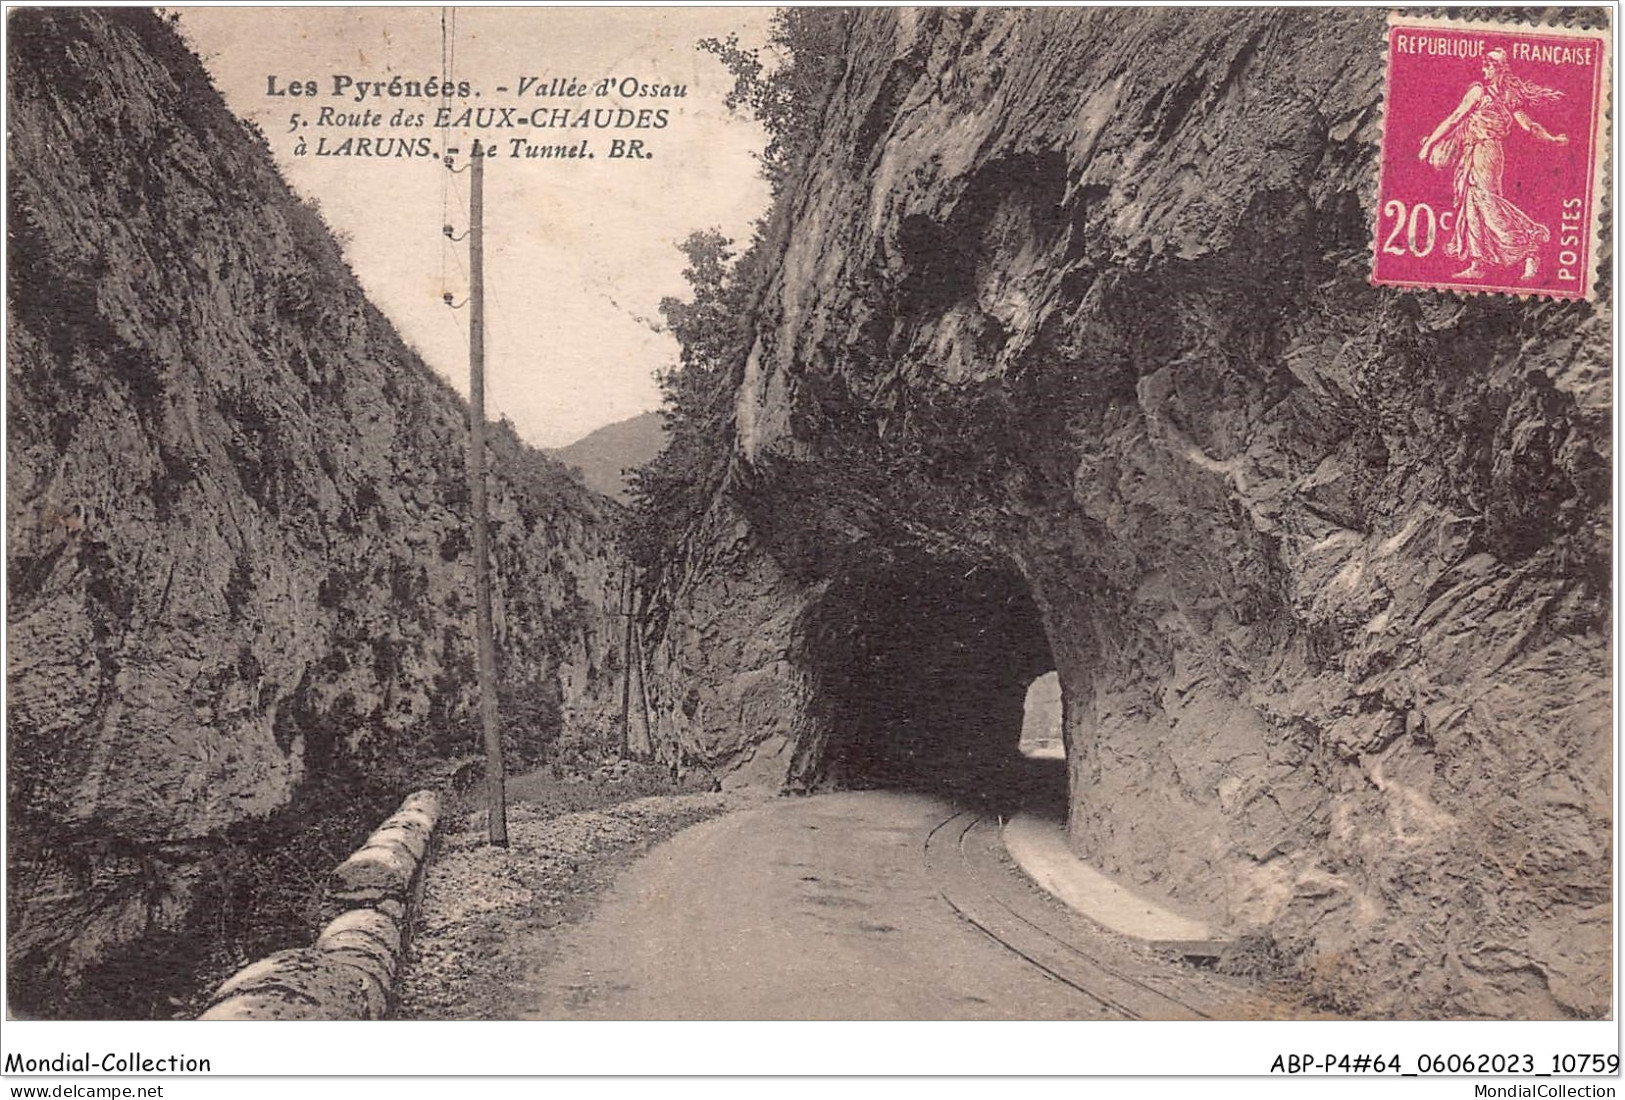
<point>350,972</point>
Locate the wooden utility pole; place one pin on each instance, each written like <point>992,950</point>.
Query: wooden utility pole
<point>497,814</point>
<point>626,664</point>
<point>641,663</point>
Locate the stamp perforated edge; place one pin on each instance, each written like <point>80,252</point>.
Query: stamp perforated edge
<point>1601,139</point>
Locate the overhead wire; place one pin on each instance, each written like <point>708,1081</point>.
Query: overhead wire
<point>449,187</point>
<point>444,173</point>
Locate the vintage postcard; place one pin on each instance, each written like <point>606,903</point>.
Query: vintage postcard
<point>579,518</point>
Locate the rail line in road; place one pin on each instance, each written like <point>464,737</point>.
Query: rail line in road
<point>957,860</point>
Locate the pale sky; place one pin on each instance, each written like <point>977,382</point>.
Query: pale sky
<point>578,252</point>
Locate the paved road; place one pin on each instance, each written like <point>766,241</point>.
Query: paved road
<point>806,909</point>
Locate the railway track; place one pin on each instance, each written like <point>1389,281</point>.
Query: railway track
<point>962,860</point>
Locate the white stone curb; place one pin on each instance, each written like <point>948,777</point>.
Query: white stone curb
<point>350,972</point>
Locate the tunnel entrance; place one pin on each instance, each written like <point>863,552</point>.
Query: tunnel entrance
<point>924,669</point>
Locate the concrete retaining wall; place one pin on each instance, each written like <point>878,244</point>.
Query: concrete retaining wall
<point>350,972</point>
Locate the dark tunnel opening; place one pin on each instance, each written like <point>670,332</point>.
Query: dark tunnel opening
<point>925,669</point>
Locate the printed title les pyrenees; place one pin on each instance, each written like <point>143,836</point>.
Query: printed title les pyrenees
<point>345,86</point>
<point>560,113</point>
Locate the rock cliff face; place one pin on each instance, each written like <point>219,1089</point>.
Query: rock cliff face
<point>238,560</point>
<point>1071,361</point>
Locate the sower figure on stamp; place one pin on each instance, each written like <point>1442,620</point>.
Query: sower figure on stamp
<point>1489,228</point>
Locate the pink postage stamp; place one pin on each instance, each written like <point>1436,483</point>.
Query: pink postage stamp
<point>1493,144</point>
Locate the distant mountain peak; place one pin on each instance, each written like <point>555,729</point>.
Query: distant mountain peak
<point>604,455</point>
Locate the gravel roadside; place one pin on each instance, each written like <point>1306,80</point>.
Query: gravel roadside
<point>491,919</point>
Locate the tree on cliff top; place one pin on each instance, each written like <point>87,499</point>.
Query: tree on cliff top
<point>673,489</point>
<point>672,492</point>
<point>787,99</point>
